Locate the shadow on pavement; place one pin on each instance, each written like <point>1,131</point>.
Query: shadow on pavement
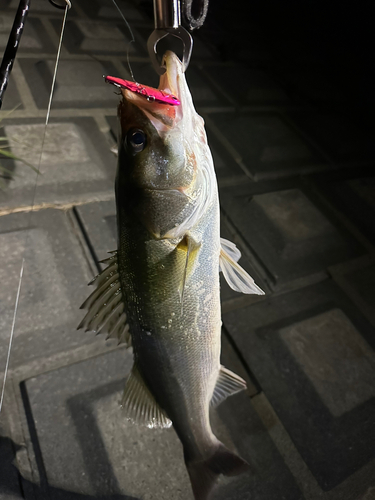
<point>13,485</point>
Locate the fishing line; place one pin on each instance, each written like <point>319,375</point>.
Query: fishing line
<point>12,333</point>
<point>67,7</point>
<point>131,41</point>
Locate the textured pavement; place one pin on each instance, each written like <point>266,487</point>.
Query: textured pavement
<point>298,198</point>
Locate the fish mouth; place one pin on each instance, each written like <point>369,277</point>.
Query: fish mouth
<point>169,80</point>
<point>168,83</point>
<point>163,116</point>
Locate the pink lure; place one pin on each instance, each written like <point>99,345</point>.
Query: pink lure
<point>149,93</point>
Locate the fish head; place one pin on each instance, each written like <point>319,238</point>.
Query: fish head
<point>161,152</point>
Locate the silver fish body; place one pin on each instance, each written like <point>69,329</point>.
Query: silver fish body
<point>163,290</point>
<point>175,333</point>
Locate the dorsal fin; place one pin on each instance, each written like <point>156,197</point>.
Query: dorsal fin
<point>236,277</point>
<point>106,309</point>
<point>140,405</point>
<point>228,383</point>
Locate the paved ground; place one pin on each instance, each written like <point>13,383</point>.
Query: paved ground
<point>297,194</point>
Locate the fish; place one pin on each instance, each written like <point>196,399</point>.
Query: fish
<point>160,292</point>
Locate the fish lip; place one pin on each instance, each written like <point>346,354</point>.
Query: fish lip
<point>169,80</point>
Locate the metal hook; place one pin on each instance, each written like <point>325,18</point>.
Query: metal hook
<point>168,22</point>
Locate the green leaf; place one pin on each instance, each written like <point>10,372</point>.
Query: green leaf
<point>8,154</point>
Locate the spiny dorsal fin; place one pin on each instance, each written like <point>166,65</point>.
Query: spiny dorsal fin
<point>105,305</point>
<point>228,383</point>
<point>139,404</point>
<point>236,277</point>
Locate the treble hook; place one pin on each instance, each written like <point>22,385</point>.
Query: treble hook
<point>168,22</point>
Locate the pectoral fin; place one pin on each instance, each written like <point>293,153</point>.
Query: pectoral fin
<point>190,246</point>
<point>105,305</point>
<point>236,277</point>
<point>230,248</point>
<point>228,383</point>
<point>140,405</point>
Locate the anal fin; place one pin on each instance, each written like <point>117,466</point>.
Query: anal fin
<point>228,383</point>
<point>139,404</point>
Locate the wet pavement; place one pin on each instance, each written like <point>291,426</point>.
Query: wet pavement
<point>297,196</point>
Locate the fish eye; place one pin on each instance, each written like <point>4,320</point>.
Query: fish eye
<point>136,140</point>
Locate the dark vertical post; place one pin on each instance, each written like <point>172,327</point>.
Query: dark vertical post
<point>12,46</point>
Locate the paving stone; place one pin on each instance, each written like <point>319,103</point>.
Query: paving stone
<point>336,359</point>
<point>288,232</point>
<point>357,278</point>
<point>363,281</point>
<point>342,139</point>
<point>365,189</point>
<point>79,84</point>
<point>12,97</point>
<point>226,167</point>
<point>86,37</point>
<point>353,197</point>
<point>114,125</point>
<point>247,85</point>
<point>76,162</point>
<point>230,359</point>
<point>265,144</point>
<point>53,286</point>
<point>98,221</point>
<point>9,476</point>
<point>312,351</point>
<point>34,38</point>
<point>76,411</point>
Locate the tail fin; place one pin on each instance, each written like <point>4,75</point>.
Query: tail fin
<point>203,474</point>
